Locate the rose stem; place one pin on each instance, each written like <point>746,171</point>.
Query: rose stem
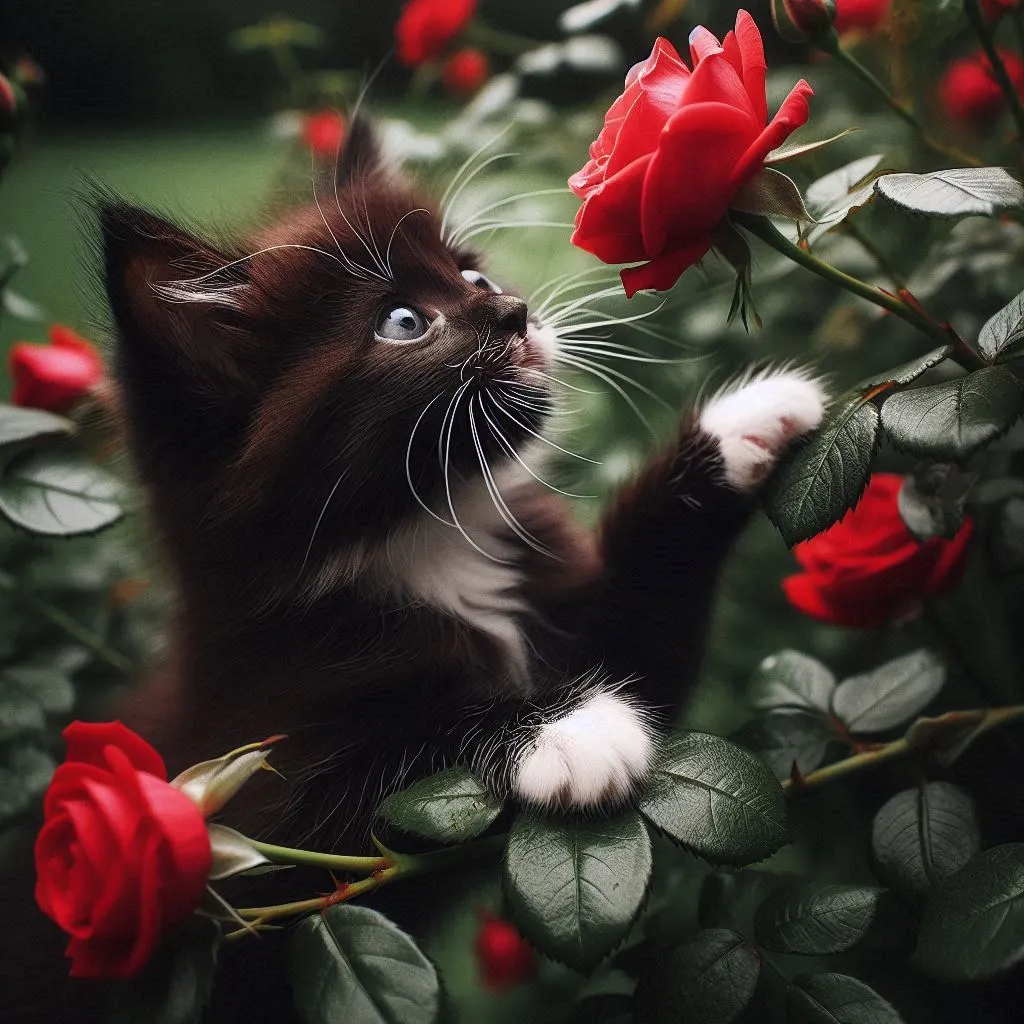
<point>834,48</point>
<point>310,858</point>
<point>984,34</point>
<point>769,233</point>
<point>990,718</point>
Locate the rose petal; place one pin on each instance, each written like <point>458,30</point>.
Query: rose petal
<point>754,66</point>
<point>662,273</point>
<point>715,80</point>
<point>702,45</point>
<point>87,740</point>
<point>607,224</point>
<point>792,114</point>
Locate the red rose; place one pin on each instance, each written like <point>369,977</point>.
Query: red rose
<point>862,15</point>
<point>969,92</point>
<point>122,855</point>
<point>323,133</point>
<point>675,149</point>
<point>426,27</point>
<point>504,956</point>
<point>57,375</point>
<point>868,569</point>
<point>465,71</point>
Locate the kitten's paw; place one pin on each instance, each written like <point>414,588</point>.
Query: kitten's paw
<point>594,755</point>
<point>753,423</point>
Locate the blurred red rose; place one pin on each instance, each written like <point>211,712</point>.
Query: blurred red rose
<point>675,148</point>
<point>994,9</point>
<point>869,570</point>
<point>465,71</point>
<point>323,133</point>
<point>504,956</point>
<point>969,92</point>
<point>122,855</point>
<point>54,376</point>
<point>861,15</point>
<point>426,27</point>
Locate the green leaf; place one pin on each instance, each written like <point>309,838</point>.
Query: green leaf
<point>716,799</point>
<point>18,424</point>
<point>953,192</point>
<point>352,964</point>
<point>58,494</point>
<point>825,477</point>
<point>813,919</point>
<point>889,695</point>
<point>50,688</point>
<point>839,193</point>
<point>175,985</point>
<point>973,924</point>
<point>836,999</point>
<point>449,807</point>
<point>20,712</point>
<point>787,736</point>
<point>793,680</point>
<point>952,419</point>
<point>923,835</point>
<point>1003,332</point>
<point>574,887</point>
<point>773,194</point>
<point>709,979</point>
<point>908,372</point>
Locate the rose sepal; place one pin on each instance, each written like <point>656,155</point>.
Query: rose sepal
<point>784,153</point>
<point>234,854</point>
<point>772,194</point>
<point>211,784</point>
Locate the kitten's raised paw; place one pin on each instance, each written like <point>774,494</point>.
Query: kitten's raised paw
<point>754,422</point>
<point>593,756</point>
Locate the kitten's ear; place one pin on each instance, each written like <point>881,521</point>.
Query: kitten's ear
<point>360,155</point>
<point>177,301</point>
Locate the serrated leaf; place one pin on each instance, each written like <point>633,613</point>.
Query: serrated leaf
<point>1003,332</point>
<point>18,424</point>
<point>793,680</point>
<point>923,835</point>
<point>825,477</point>
<point>952,419</point>
<point>836,999</point>
<point>175,985</point>
<point>575,887</point>
<point>352,964</point>
<point>910,371</point>
<point>890,694</point>
<point>813,919</point>
<point>973,924</point>
<point>832,198</point>
<point>58,494</point>
<point>49,688</point>
<point>773,194</point>
<point>709,979</point>
<point>787,736</point>
<point>716,799</point>
<point>953,192</point>
<point>449,807</point>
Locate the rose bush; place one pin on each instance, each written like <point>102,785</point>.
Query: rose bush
<point>426,27</point>
<point>122,855</point>
<point>55,376</point>
<point>675,149</point>
<point>869,570</point>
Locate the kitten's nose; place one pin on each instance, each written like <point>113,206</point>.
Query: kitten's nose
<point>507,314</point>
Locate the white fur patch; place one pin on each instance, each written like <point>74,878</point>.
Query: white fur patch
<point>592,756</point>
<point>753,422</point>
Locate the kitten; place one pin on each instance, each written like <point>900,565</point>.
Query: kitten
<point>331,425</point>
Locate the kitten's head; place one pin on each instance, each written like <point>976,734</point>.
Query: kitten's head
<point>311,389</point>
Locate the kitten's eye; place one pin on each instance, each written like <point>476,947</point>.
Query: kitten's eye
<point>401,323</point>
<point>474,277</point>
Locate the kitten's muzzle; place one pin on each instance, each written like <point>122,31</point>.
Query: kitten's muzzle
<point>504,315</point>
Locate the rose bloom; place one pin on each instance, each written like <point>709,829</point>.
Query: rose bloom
<point>861,15</point>
<point>426,27</point>
<point>505,958</point>
<point>465,71</point>
<point>54,376</point>
<point>122,855</point>
<point>869,570</point>
<point>323,133</point>
<point>969,92</point>
<point>675,149</point>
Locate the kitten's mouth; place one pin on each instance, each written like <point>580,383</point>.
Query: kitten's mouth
<point>536,350</point>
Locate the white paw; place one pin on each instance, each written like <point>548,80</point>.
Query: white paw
<point>592,756</point>
<point>754,422</point>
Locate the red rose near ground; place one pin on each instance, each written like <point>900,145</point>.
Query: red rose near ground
<point>504,956</point>
<point>323,133</point>
<point>675,149</point>
<point>969,92</point>
<point>869,570</point>
<point>862,15</point>
<point>57,375</point>
<point>465,71</point>
<point>426,27</point>
<point>122,855</point>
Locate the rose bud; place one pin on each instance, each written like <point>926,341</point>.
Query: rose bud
<point>865,16</point>
<point>869,569</point>
<point>426,27</point>
<point>504,957</point>
<point>464,72</point>
<point>55,376</point>
<point>813,19</point>
<point>969,92</point>
<point>323,133</point>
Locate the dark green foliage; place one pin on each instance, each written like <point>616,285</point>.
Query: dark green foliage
<point>813,919</point>
<point>836,999</point>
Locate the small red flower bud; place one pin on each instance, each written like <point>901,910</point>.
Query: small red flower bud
<point>969,92</point>
<point>812,18</point>
<point>55,376</point>
<point>323,133</point>
<point>504,956</point>
<point>425,28</point>
<point>861,15</point>
<point>464,72</point>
